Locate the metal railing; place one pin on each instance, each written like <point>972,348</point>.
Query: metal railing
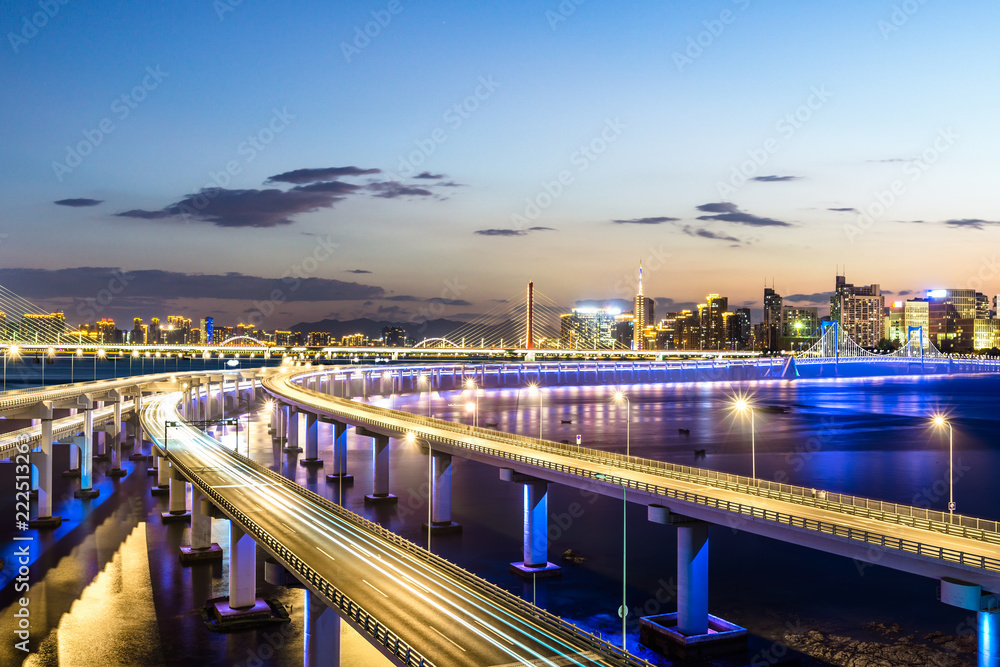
<point>60,427</point>
<point>707,477</point>
<point>364,618</point>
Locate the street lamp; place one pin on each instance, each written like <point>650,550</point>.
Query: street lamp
<point>100,353</point>
<point>743,406</point>
<point>135,353</point>
<point>392,388</point>
<point>471,384</point>
<point>72,364</point>
<point>49,354</point>
<point>623,612</point>
<point>14,352</point>
<point>619,397</point>
<point>534,388</point>
<point>425,380</point>
<point>939,420</point>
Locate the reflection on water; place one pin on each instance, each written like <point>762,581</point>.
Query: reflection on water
<point>113,622</point>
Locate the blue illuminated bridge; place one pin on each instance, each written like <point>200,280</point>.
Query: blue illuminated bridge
<point>419,609</point>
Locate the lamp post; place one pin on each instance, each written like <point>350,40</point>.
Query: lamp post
<point>623,612</point>
<point>14,352</point>
<point>49,354</point>
<point>471,384</point>
<point>425,380</point>
<point>940,420</point>
<point>743,406</point>
<point>100,353</point>
<point>72,364</point>
<point>534,388</point>
<point>619,397</point>
<point>135,353</point>
<point>392,388</point>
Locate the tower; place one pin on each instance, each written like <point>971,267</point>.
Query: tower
<point>643,316</point>
<point>530,333</point>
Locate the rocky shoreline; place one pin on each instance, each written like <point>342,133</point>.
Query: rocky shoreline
<point>893,649</point>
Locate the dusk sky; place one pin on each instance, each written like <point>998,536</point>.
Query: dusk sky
<point>425,161</point>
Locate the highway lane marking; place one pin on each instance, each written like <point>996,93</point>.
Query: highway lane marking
<point>239,486</point>
<point>496,632</point>
<point>325,554</point>
<point>589,656</point>
<point>288,527</point>
<point>446,639</point>
<point>378,591</point>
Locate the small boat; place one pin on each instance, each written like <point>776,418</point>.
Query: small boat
<point>566,421</point>
<point>571,556</point>
<point>684,431</point>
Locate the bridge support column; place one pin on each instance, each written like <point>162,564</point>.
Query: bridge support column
<point>339,453</point>
<point>989,639</point>
<point>116,441</point>
<point>536,527</point>
<point>43,460</point>
<point>87,489</point>
<point>312,459</point>
<point>202,547</point>
<point>972,597</point>
<point>441,495</point>
<point>321,644</point>
<point>242,568</point>
<point>162,487</point>
<point>292,426</point>
<point>380,463</point>
<point>177,503</point>
<point>691,633</point>
<point>100,438</point>
<point>138,434</point>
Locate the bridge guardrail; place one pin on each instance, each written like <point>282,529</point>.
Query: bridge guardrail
<point>984,530</point>
<point>601,457</point>
<point>32,434</point>
<point>579,635</point>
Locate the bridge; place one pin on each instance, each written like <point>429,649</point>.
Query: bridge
<point>963,553</point>
<point>358,578</point>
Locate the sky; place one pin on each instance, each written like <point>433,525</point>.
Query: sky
<point>404,160</point>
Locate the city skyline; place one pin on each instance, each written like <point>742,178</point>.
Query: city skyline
<point>393,200</point>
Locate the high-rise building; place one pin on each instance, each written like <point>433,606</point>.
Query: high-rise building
<point>318,339</point>
<point>138,336</point>
<point>772,319</point>
<point>713,326</point>
<point>643,316</point>
<point>859,310</point>
<point>209,328</point>
<point>798,326</point>
<point>106,331</point>
<point>153,336</point>
<point>744,329</point>
<point>588,329</point>
<point>394,336</point>
<point>42,328</point>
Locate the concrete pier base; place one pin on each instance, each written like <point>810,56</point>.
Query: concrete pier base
<point>86,493</point>
<point>546,571</point>
<point>660,633</point>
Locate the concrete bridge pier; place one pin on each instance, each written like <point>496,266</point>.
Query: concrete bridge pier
<point>380,463</point>
<point>138,432</point>
<point>43,461</point>
<point>339,473</point>
<point>292,431</point>
<point>441,495</point>
<point>117,434</point>
<point>312,459</point>
<point>243,603</point>
<point>100,438</point>
<point>177,502</point>
<point>691,633</point>
<point>201,547</point>
<point>536,527</point>
<point>989,638</point>
<point>321,644</point>
<point>162,487</point>
<point>972,597</point>
<point>87,489</point>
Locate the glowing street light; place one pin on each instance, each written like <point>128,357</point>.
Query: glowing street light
<point>102,353</point>
<point>619,397</point>
<point>941,420</point>
<point>471,384</point>
<point>742,405</point>
<point>14,352</point>
<point>426,380</point>
<point>535,388</point>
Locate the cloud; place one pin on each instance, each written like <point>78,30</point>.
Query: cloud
<point>78,202</point>
<point>394,189</point>
<point>728,212</point>
<point>971,223</point>
<point>512,232</point>
<point>815,297</point>
<point>241,208</point>
<point>892,159</point>
<point>449,184</point>
<point>315,175</point>
<point>843,210</point>
<point>86,283</point>
<point>450,302</point>
<point>357,271</point>
<point>402,297</point>
<point>429,176</point>
<point>624,305</point>
<point>645,221</point>
<point>775,179</point>
<point>338,188</point>
<point>669,305</point>
<point>708,234</point>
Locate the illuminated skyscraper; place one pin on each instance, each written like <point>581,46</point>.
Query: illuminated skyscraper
<point>644,316</point>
